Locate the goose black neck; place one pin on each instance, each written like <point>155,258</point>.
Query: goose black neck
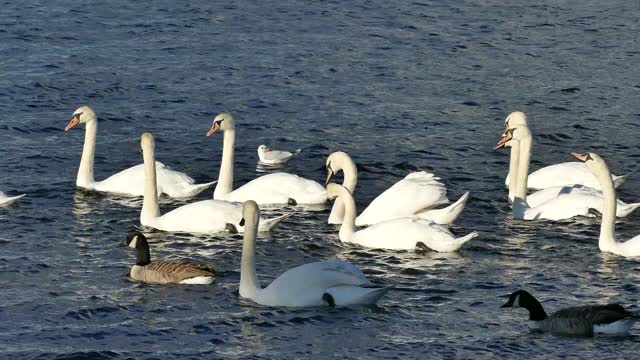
<point>143,257</point>
<point>536,311</point>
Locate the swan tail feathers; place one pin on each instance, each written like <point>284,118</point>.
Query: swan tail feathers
<point>270,224</point>
<point>462,240</point>
<point>447,215</point>
<point>191,190</point>
<point>627,209</point>
<point>346,295</point>
<point>619,180</point>
<point>11,200</point>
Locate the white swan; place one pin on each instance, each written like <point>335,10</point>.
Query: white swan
<point>333,282</point>
<point>567,173</point>
<point>270,157</point>
<point>608,241</point>
<point>203,217</point>
<point>130,181</point>
<point>554,203</point>
<point>8,200</point>
<point>406,233</point>
<point>415,195</point>
<point>275,189</point>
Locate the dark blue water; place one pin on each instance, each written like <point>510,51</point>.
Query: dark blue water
<point>413,85</point>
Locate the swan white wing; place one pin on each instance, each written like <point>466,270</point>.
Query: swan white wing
<point>305,285</point>
<point>131,182</point>
<point>278,188</point>
<point>563,174</point>
<point>541,196</point>
<point>402,234</point>
<point>583,197</point>
<point>416,192</point>
<point>565,206</point>
<point>205,217</point>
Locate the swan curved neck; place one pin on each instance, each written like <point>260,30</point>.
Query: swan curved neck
<point>85,171</point>
<point>523,165</point>
<point>349,220</point>
<point>150,207</point>
<point>608,225</point>
<point>248,277</point>
<point>513,169</point>
<point>225,177</point>
<point>350,172</point>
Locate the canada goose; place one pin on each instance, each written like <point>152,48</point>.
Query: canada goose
<point>587,320</point>
<point>167,271</point>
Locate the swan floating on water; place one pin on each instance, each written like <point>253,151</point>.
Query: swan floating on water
<point>324,283</point>
<point>129,182</point>
<point>272,189</point>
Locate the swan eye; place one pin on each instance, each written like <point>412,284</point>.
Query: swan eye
<point>242,222</point>
<point>76,115</point>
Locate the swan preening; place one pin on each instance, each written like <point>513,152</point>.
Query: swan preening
<point>325,283</point>
<point>405,233</point>
<point>563,174</point>
<point>271,157</point>
<point>273,189</point>
<point>611,319</point>
<point>418,194</point>
<point>555,203</point>
<point>608,241</point>
<point>128,182</point>
<point>203,217</point>
<point>167,271</point>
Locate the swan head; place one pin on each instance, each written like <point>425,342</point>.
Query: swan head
<point>593,161</point>
<point>82,115</point>
<point>223,121</point>
<point>147,141</point>
<point>513,134</point>
<point>336,190</point>
<point>505,140</point>
<point>135,239</point>
<point>335,163</point>
<point>250,212</point>
<point>515,119</point>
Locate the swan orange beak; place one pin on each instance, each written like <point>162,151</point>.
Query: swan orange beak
<point>506,137</point>
<point>581,157</point>
<point>329,175</point>
<point>214,129</point>
<point>74,121</point>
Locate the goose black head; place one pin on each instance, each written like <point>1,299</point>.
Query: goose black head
<point>523,299</point>
<point>135,239</point>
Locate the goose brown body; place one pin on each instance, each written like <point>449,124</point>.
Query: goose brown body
<point>165,271</point>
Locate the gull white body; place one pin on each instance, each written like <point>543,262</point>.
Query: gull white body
<point>268,156</point>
